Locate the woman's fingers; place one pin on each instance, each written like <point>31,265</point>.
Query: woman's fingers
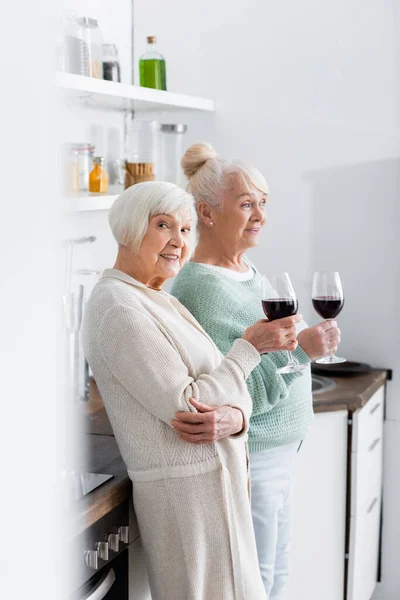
<point>189,428</point>
<point>289,321</point>
<point>201,406</point>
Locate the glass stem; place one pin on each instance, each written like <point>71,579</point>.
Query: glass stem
<point>291,362</point>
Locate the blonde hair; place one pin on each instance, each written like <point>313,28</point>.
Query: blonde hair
<point>209,175</point>
<point>131,212</point>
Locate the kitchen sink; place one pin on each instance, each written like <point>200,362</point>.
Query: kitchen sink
<point>322,384</point>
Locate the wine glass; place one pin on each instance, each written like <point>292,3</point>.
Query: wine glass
<point>328,301</point>
<point>278,301</point>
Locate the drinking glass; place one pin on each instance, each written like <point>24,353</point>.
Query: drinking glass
<point>328,301</point>
<point>278,301</point>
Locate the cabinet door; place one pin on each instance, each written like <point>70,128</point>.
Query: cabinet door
<point>366,455</point>
<point>364,551</point>
<point>318,538</point>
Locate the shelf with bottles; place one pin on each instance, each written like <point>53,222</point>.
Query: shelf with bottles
<point>121,96</point>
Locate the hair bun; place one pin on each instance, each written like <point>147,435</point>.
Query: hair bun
<point>195,157</point>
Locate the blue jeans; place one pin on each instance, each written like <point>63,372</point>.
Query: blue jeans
<point>272,482</point>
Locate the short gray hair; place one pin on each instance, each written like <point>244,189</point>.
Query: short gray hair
<point>131,212</point>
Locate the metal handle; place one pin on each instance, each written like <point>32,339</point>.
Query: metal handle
<point>374,444</point>
<point>123,532</point>
<point>371,412</point>
<point>374,501</point>
<point>91,559</point>
<point>102,550</point>
<point>113,542</point>
<point>102,587</point>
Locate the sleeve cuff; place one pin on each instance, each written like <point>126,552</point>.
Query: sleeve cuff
<point>245,355</point>
<point>246,424</point>
<point>301,357</point>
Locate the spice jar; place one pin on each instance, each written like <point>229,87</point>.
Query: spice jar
<point>98,178</point>
<point>111,68</point>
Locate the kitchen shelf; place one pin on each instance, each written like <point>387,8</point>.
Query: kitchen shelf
<point>88,202</point>
<point>120,96</point>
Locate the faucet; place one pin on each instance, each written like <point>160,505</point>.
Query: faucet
<point>77,367</point>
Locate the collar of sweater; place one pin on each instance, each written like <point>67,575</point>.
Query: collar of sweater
<point>116,274</point>
<point>200,268</point>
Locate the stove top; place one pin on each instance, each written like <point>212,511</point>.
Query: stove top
<point>79,484</point>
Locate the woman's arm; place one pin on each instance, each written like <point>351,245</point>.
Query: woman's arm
<point>142,358</point>
<point>225,323</point>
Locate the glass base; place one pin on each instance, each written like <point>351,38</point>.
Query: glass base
<point>291,368</point>
<point>330,360</point>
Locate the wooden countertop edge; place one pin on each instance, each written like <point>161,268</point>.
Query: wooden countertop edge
<point>330,406</point>
<point>362,398</point>
<point>352,402</point>
<point>104,503</point>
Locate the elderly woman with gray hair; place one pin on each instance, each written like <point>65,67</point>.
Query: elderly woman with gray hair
<point>221,288</point>
<point>155,365</point>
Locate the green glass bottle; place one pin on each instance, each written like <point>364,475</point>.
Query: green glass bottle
<point>152,67</point>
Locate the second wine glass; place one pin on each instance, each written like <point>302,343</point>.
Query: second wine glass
<point>278,301</point>
<point>328,301</point>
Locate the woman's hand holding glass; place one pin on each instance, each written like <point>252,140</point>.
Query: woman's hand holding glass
<point>273,336</point>
<point>320,340</point>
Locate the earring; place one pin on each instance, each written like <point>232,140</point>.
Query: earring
<point>211,222</point>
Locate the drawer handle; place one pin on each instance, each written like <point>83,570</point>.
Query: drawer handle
<point>374,444</point>
<point>371,412</point>
<point>374,501</point>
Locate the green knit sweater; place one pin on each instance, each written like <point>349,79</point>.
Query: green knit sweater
<point>282,404</point>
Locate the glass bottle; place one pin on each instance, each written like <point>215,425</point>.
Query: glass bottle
<point>98,178</point>
<point>111,67</point>
<point>152,67</point>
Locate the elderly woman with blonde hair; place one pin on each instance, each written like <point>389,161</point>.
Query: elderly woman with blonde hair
<point>154,365</point>
<point>221,288</point>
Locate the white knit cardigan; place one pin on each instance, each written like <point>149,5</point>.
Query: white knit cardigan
<point>190,500</point>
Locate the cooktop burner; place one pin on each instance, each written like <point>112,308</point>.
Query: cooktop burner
<point>78,484</point>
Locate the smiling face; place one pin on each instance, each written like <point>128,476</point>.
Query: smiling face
<point>238,224</point>
<point>165,247</point>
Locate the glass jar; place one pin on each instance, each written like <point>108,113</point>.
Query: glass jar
<point>152,67</point>
<point>143,150</point>
<point>111,67</point>
<point>91,52</point>
<point>84,153</point>
<point>143,141</point>
<point>171,153</point>
<point>98,178</point>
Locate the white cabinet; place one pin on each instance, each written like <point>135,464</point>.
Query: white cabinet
<point>318,540</point>
<point>321,513</point>
<point>366,494</point>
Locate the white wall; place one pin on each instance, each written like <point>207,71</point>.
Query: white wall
<point>309,92</point>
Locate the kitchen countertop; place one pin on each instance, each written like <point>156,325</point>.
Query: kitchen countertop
<point>350,393</point>
<point>102,454</point>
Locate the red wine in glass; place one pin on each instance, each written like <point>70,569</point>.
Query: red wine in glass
<point>328,301</point>
<point>279,308</point>
<point>279,301</point>
<point>328,307</point>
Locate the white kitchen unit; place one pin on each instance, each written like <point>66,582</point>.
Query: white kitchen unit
<point>336,530</point>
<point>366,498</point>
<point>319,529</point>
